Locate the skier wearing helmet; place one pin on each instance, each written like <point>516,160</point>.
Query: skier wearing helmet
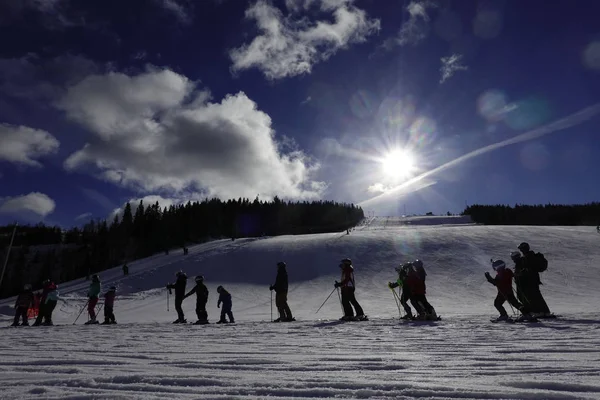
<point>405,296</point>
<point>225,299</point>
<point>201,299</point>
<point>93,294</point>
<point>281,291</point>
<point>533,264</point>
<point>48,301</point>
<point>503,282</point>
<point>348,288</point>
<point>22,305</point>
<point>179,287</point>
<point>415,280</point>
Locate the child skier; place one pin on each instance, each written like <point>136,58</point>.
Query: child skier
<point>201,299</point>
<point>405,296</point>
<point>93,294</point>
<point>24,301</point>
<point>179,287</point>
<point>348,288</point>
<point>109,303</point>
<point>47,303</point>
<point>281,291</point>
<point>225,298</point>
<point>503,281</point>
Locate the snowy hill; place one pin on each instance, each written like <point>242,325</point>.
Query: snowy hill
<point>462,356</point>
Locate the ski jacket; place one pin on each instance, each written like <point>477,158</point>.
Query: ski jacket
<point>530,262</point>
<point>503,281</point>
<point>179,286</point>
<point>347,276</point>
<point>201,292</point>
<point>25,299</point>
<point>109,298</point>
<point>281,280</point>
<point>415,284</point>
<point>94,290</point>
<point>49,293</point>
<point>225,298</point>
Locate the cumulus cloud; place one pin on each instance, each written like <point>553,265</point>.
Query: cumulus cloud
<point>23,145</point>
<point>157,132</point>
<point>450,66</point>
<point>416,28</point>
<point>35,202</point>
<point>291,45</point>
<point>178,8</point>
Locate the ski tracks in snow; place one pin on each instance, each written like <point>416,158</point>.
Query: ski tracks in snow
<point>459,357</point>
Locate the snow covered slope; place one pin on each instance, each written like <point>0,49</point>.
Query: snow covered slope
<point>462,356</point>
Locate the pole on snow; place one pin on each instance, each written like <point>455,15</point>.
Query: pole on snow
<point>8,254</point>
<point>340,298</point>
<point>396,300</point>
<point>80,312</point>
<point>168,300</point>
<point>326,300</point>
<point>271,306</point>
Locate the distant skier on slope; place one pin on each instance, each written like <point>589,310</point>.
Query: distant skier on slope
<point>416,282</point>
<point>503,282</point>
<point>109,304</point>
<point>348,288</point>
<point>22,305</point>
<point>47,303</point>
<point>93,294</point>
<point>281,291</point>
<point>201,299</point>
<point>179,287</point>
<point>225,298</point>
<point>405,296</point>
<point>533,264</point>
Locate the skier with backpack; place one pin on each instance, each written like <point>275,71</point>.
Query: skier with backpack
<point>225,298</point>
<point>281,291</point>
<point>416,282</point>
<point>201,299</point>
<point>48,301</point>
<point>401,282</point>
<point>533,264</point>
<point>179,287</point>
<point>348,288</point>
<point>109,304</point>
<point>22,305</point>
<point>503,282</point>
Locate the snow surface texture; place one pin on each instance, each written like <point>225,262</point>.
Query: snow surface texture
<point>462,356</point>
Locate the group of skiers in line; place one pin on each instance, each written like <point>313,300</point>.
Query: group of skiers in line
<point>280,287</point>
<point>529,300</point>
<point>49,297</point>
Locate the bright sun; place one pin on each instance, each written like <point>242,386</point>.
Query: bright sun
<point>398,164</point>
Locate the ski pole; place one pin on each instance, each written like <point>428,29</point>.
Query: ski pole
<point>396,300</point>
<point>326,300</point>
<point>80,312</point>
<point>271,306</point>
<point>167,300</point>
<point>341,304</point>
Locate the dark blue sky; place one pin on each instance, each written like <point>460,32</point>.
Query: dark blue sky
<point>174,100</point>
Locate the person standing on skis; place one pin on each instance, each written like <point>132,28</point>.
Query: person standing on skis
<point>348,288</point>
<point>179,287</point>
<point>405,296</point>
<point>533,264</point>
<point>201,299</point>
<point>503,282</point>
<point>415,280</point>
<point>93,295</point>
<point>48,301</point>
<point>109,304</point>
<point>281,291</point>
<point>225,298</point>
<point>22,305</point>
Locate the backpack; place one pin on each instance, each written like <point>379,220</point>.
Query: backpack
<point>541,264</point>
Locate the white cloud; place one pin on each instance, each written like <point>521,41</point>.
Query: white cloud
<point>157,132</point>
<point>291,45</point>
<point>35,202</point>
<point>23,145</point>
<point>378,188</point>
<point>86,216</point>
<point>178,8</point>
<point>51,14</point>
<point>416,28</point>
<point>451,65</point>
